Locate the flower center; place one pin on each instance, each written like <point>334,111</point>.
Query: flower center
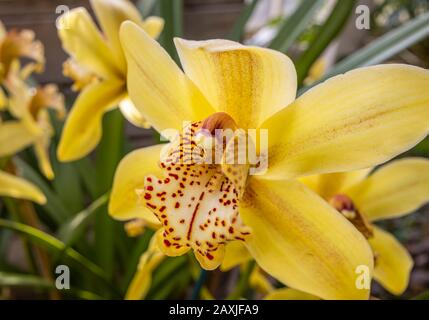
<point>346,207</point>
<point>197,200</point>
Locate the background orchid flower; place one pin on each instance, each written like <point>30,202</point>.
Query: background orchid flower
<point>98,68</point>
<point>337,126</point>
<point>15,187</point>
<point>32,124</point>
<point>20,44</point>
<point>394,190</point>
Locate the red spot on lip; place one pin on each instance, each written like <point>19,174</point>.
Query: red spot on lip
<point>147,196</point>
<point>177,205</point>
<point>167,243</point>
<point>175,176</point>
<point>149,188</point>
<point>149,179</point>
<point>151,205</point>
<point>162,208</point>
<point>209,256</point>
<point>231,230</point>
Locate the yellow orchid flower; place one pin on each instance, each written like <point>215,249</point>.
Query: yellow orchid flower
<point>32,127</point>
<point>292,233</point>
<point>13,186</point>
<point>98,68</point>
<point>394,190</point>
<point>142,280</point>
<point>20,44</point>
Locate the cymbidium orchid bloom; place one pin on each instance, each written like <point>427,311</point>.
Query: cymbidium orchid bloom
<point>32,125</point>
<point>394,190</point>
<point>19,44</point>
<point>98,68</point>
<point>352,121</point>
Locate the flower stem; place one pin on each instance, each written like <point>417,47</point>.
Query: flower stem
<point>199,284</point>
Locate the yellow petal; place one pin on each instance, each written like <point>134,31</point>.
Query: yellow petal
<point>350,122</point>
<point>130,175</point>
<point>2,31</point>
<point>396,189</point>
<point>236,253</point>
<point>289,294</point>
<point>132,114</point>
<point>21,97</point>
<point>3,99</point>
<point>153,26</point>
<point>110,14</point>
<point>248,83</point>
<point>393,263</point>
<point>300,240</point>
<point>21,44</point>
<point>156,85</point>
<point>142,280</point>
<point>84,42</point>
<point>14,137</point>
<point>12,186</point>
<point>260,282</point>
<point>330,184</point>
<point>41,149</point>
<point>83,127</point>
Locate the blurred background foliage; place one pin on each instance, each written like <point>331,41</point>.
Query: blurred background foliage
<point>73,228</point>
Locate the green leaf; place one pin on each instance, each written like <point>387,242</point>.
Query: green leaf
<point>294,25</point>
<point>109,153</point>
<point>240,25</point>
<point>86,171</point>
<point>328,32</point>
<point>172,13</point>
<point>386,46</point>
<point>54,207</point>
<point>422,296</point>
<point>73,229</point>
<point>67,185</point>
<point>57,247</point>
<point>29,281</point>
<point>22,280</point>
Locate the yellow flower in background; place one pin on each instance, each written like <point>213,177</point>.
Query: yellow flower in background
<point>32,125</point>
<point>19,44</point>
<point>98,68</point>
<point>394,190</point>
<point>15,187</point>
<point>340,125</point>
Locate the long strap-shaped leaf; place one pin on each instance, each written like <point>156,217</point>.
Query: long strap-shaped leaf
<point>71,230</point>
<point>240,25</point>
<point>385,47</point>
<point>54,207</point>
<point>56,246</point>
<point>30,281</point>
<point>331,29</point>
<point>294,25</point>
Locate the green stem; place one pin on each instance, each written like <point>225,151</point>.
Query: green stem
<point>199,284</point>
